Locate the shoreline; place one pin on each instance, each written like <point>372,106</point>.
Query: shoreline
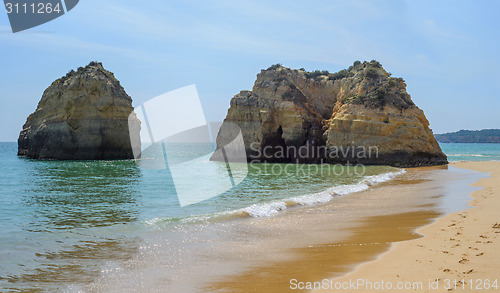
<point>307,243</point>
<point>457,253</point>
<point>386,214</point>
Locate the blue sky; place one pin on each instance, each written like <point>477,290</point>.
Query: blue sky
<point>447,51</point>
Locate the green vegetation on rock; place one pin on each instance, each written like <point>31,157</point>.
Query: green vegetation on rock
<point>379,88</point>
<point>355,107</point>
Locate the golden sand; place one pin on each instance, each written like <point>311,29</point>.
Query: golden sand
<point>387,249</point>
<point>460,251</point>
<point>375,235</point>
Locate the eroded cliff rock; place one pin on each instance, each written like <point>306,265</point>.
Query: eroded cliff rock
<point>81,116</point>
<point>358,115</point>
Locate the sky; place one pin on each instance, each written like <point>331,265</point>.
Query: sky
<point>447,51</point>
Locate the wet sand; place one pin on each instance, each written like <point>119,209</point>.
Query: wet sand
<point>306,243</point>
<point>393,211</point>
<point>374,237</point>
<point>458,253</point>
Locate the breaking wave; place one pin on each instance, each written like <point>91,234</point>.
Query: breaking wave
<point>274,207</point>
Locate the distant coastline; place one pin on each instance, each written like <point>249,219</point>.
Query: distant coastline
<point>470,136</point>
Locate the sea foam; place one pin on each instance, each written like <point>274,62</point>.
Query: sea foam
<point>274,207</point>
<point>466,155</point>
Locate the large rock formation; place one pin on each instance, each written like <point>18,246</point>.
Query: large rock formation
<point>358,115</point>
<point>81,116</point>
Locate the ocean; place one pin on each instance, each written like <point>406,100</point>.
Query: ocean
<point>471,151</point>
<point>71,226</point>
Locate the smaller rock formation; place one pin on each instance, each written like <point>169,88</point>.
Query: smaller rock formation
<point>81,116</point>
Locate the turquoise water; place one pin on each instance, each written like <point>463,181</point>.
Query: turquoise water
<point>471,151</point>
<point>63,221</point>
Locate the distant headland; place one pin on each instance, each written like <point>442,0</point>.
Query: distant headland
<point>471,136</point>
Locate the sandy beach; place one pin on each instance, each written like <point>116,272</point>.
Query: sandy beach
<point>377,220</point>
<point>458,253</point>
<point>411,243</point>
